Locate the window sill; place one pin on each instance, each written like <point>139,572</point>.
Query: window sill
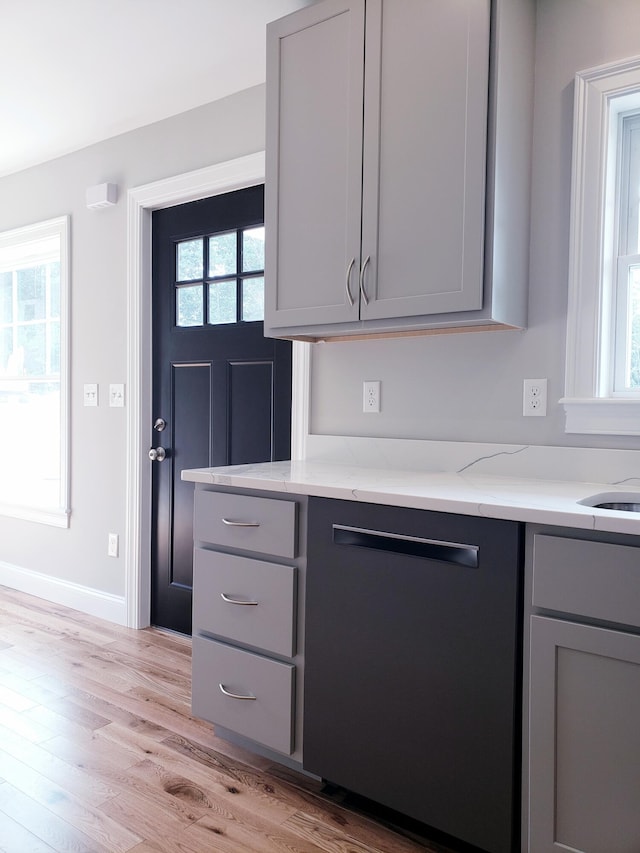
<point>602,416</point>
<point>53,517</point>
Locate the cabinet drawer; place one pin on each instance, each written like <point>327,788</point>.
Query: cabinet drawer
<point>594,579</point>
<point>268,717</point>
<point>268,623</point>
<point>246,522</point>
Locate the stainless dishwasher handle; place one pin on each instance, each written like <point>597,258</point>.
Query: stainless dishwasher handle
<point>230,523</point>
<point>415,546</point>
<point>235,695</point>
<point>230,600</point>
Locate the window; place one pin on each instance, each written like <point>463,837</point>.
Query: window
<point>220,277</point>
<point>626,274</point>
<point>34,284</point>
<point>602,393</point>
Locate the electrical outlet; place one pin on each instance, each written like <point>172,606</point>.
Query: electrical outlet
<point>112,548</point>
<point>90,394</point>
<point>534,398</point>
<point>371,396</point>
<point>116,395</point>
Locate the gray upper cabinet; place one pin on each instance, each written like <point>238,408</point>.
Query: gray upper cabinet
<point>315,63</point>
<point>383,185</point>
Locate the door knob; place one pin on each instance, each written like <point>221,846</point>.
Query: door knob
<point>157,454</point>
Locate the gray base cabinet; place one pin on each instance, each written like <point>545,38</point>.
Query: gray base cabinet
<point>248,591</point>
<point>584,697</point>
<point>398,138</point>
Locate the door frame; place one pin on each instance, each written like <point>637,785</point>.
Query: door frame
<point>141,202</point>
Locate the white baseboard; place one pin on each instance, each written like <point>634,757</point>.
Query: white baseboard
<point>92,601</point>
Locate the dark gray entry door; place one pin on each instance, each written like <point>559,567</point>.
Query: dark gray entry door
<point>221,390</point>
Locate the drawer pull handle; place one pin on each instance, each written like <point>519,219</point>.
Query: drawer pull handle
<point>230,523</point>
<point>235,695</point>
<point>230,600</point>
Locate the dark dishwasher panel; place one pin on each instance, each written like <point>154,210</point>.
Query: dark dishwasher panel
<point>412,664</point>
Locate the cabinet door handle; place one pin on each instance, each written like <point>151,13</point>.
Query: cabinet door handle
<point>347,282</point>
<point>230,600</point>
<point>236,695</point>
<point>363,292</point>
<point>230,523</point>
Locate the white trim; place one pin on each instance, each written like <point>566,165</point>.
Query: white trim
<point>301,374</point>
<point>602,416</point>
<point>53,517</point>
<point>588,404</point>
<point>222,177</point>
<point>92,601</point>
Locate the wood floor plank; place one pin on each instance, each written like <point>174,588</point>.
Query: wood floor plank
<point>323,837</point>
<point>111,712</point>
<point>61,724</point>
<point>34,688</point>
<point>23,726</point>
<point>45,825</point>
<point>90,820</point>
<point>14,838</point>
<point>87,787</point>
<point>16,701</point>
<point>233,836</point>
<point>224,785</point>
<point>95,755</point>
<point>161,827</point>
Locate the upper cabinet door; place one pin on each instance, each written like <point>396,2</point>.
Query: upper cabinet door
<point>425,128</point>
<point>315,70</point>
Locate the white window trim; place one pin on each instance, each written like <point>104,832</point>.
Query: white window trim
<point>54,516</point>
<point>589,406</point>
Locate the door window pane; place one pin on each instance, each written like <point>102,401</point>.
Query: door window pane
<point>222,302</point>
<point>222,254</point>
<point>189,308</point>
<point>253,249</point>
<point>189,260</point>
<point>253,298</point>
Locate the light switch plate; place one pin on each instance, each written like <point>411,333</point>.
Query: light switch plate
<point>116,395</point>
<point>90,394</point>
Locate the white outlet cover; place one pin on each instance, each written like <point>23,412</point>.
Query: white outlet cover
<point>534,398</point>
<point>116,395</point>
<point>371,396</point>
<point>90,394</point>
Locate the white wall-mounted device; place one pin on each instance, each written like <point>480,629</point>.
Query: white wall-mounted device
<point>102,195</point>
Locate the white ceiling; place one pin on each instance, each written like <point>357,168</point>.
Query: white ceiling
<point>73,72</point>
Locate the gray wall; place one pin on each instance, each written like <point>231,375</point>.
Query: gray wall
<point>468,387</point>
<point>464,387</point>
<point>217,132</point>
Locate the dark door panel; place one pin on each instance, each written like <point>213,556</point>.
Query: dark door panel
<point>223,389</point>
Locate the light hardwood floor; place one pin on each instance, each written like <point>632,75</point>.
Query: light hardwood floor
<point>98,752</point>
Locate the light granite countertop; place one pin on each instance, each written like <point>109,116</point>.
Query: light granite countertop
<point>471,489</point>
